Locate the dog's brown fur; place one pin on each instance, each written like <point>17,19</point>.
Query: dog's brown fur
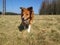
<point>27,15</point>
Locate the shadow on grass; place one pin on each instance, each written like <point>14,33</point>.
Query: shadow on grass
<point>21,27</point>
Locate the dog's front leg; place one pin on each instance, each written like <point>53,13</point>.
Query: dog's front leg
<point>29,28</point>
<point>24,27</point>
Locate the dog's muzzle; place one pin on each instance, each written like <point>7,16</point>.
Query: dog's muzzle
<point>26,21</point>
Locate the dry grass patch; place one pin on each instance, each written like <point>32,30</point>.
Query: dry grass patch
<point>45,31</point>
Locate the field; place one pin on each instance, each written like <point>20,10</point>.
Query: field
<point>45,31</point>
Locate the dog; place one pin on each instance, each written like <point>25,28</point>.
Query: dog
<point>27,16</point>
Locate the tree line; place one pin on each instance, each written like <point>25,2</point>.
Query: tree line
<point>9,13</point>
<point>51,7</point>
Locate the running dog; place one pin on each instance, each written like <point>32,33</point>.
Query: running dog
<point>27,16</point>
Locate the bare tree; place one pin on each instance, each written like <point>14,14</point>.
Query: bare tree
<point>53,7</point>
<point>4,7</point>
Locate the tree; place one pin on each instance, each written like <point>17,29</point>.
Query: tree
<point>52,7</point>
<point>4,7</point>
<point>43,8</point>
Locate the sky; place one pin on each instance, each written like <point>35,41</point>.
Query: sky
<point>14,5</point>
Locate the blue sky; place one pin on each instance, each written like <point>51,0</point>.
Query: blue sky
<point>13,5</point>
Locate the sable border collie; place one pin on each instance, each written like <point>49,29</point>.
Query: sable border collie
<point>27,15</point>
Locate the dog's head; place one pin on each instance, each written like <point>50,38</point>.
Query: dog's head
<point>26,13</point>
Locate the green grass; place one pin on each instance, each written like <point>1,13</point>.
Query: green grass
<point>45,31</point>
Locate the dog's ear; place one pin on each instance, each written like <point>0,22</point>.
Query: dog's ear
<point>22,8</point>
<point>31,12</point>
<point>30,8</point>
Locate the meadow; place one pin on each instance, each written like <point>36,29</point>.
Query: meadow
<point>45,30</point>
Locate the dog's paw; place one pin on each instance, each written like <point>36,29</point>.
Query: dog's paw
<point>28,30</point>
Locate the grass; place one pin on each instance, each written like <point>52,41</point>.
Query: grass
<point>45,31</point>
